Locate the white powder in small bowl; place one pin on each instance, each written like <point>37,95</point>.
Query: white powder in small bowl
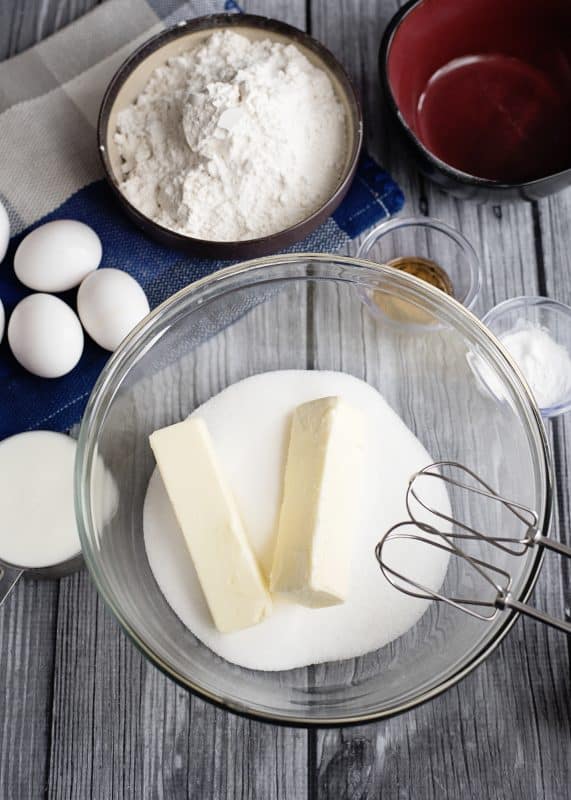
<point>232,140</point>
<point>545,364</point>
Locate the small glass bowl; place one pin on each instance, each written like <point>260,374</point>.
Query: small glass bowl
<point>431,239</point>
<point>551,315</point>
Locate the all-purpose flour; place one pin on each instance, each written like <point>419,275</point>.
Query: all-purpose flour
<point>249,425</point>
<point>232,140</point>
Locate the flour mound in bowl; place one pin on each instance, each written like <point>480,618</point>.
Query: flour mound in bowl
<point>249,425</point>
<point>232,140</point>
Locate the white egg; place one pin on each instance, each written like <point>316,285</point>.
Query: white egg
<point>110,303</point>
<point>2,320</point>
<point>45,335</point>
<point>57,256</point>
<point>4,232</point>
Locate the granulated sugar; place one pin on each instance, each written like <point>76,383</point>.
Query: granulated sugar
<point>249,425</point>
<point>232,140</point>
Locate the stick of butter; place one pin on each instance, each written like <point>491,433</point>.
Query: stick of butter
<point>320,502</point>
<point>227,569</point>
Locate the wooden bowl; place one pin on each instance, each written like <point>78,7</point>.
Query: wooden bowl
<point>480,92</point>
<point>132,76</point>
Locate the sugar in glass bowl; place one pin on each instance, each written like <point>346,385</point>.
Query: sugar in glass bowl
<point>309,312</point>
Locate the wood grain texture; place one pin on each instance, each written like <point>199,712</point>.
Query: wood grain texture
<point>127,730</point>
<point>474,741</point>
<point>130,732</point>
<point>84,715</point>
<point>27,634</point>
<point>99,721</point>
<point>28,619</point>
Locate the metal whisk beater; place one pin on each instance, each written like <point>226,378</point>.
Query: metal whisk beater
<point>453,541</point>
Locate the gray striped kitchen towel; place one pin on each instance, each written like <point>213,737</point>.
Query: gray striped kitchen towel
<point>50,169</point>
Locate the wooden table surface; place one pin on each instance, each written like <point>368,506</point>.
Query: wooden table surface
<point>85,716</point>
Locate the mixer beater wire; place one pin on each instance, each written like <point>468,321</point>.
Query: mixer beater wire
<point>454,540</point>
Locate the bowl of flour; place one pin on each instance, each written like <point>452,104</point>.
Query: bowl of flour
<point>230,135</point>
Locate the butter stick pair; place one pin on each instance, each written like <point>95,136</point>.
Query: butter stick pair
<point>312,555</point>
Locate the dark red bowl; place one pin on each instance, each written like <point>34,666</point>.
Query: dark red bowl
<point>480,91</point>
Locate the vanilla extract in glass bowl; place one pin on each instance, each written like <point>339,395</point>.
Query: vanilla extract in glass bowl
<point>427,249</point>
<point>426,270</point>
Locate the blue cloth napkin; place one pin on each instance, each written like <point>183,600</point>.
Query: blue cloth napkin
<point>28,402</point>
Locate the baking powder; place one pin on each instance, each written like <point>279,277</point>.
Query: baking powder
<point>546,365</point>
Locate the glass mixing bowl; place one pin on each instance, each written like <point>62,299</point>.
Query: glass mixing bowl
<point>315,312</point>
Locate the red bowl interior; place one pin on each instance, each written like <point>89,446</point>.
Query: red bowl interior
<point>485,85</point>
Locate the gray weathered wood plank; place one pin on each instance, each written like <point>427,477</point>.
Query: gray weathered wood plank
<point>28,618</point>
<point>27,633</point>
<point>126,729</point>
<point>472,741</point>
<point>153,739</point>
<point>120,728</point>
<point>553,217</point>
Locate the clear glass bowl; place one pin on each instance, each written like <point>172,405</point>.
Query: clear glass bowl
<point>308,311</point>
<point>425,237</point>
<point>552,316</point>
